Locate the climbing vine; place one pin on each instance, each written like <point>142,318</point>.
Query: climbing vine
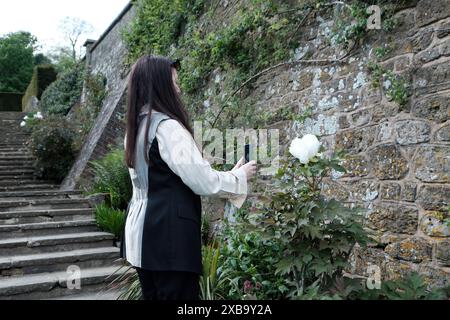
<point>227,57</point>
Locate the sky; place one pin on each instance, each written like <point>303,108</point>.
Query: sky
<point>42,17</point>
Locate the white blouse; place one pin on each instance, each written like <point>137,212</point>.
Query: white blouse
<point>179,151</point>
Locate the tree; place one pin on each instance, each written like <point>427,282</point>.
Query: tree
<point>40,59</point>
<point>16,61</point>
<point>73,28</point>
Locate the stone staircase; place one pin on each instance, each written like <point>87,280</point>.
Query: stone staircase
<point>43,231</point>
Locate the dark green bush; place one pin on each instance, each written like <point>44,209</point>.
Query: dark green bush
<point>112,177</point>
<point>62,94</point>
<point>110,220</point>
<point>52,143</point>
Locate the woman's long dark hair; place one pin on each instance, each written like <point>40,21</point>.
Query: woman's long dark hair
<point>151,83</point>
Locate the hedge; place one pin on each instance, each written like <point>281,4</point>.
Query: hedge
<point>43,76</point>
<point>10,101</point>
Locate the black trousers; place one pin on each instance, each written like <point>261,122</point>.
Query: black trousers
<point>169,285</point>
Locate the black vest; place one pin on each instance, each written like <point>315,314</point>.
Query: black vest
<point>172,228</point>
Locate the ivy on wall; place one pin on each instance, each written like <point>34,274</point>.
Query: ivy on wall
<point>226,58</point>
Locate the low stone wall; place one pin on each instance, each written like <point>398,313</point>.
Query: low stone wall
<point>11,101</point>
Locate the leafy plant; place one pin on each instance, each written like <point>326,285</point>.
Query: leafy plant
<point>394,85</point>
<point>52,143</point>
<point>249,263</point>
<point>412,287</point>
<point>211,281</point>
<point>316,235</point>
<point>112,177</point>
<point>110,220</point>
<point>62,94</point>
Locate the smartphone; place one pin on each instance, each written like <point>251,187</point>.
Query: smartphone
<point>247,153</point>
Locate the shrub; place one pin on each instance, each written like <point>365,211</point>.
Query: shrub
<point>62,94</point>
<point>249,265</point>
<point>112,177</point>
<point>52,143</point>
<point>110,220</point>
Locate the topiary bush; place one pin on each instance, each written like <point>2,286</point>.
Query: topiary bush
<point>62,94</point>
<point>52,143</point>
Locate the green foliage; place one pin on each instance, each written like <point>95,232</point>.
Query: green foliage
<point>412,287</point>
<point>52,143</point>
<point>262,33</point>
<point>85,114</point>
<point>62,94</point>
<point>16,61</point>
<point>248,262</point>
<point>211,280</point>
<point>395,86</point>
<point>110,220</point>
<point>41,59</point>
<point>256,38</point>
<point>351,28</point>
<point>112,177</point>
<point>158,25</point>
<point>316,234</point>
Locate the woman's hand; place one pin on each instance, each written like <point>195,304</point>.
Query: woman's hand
<point>249,168</point>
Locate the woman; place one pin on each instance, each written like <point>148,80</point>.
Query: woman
<point>162,237</point>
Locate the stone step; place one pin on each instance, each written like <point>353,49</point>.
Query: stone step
<point>11,171</point>
<point>42,194</point>
<point>15,153</point>
<point>16,164</point>
<point>27,204</point>
<point>17,158</point>
<point>103,295</point>
<point>14,148</point>
<point>12,145</point>
<point>41,216</point>
<point>26,187</point>
<point>12,183</point>
<point>54,285</point>
<point>8,115</point>
<point>17,167</point>
<point>16,266</point>
<point>18,177</point>
<point>47,228</point>
<point>55,243</point>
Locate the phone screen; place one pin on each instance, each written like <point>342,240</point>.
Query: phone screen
<point>247,153</point>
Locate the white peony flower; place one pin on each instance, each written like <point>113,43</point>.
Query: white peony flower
<point>305,148</point>
<point>38,115</point>
<point>25,118</point>
<point>23,124</point>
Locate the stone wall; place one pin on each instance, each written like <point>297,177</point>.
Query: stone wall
<point>399,156</point>
<point>106,57</point>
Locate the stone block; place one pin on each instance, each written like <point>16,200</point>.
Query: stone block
<point>435,108</point>
<point>432,163</point>
<point>413,249</point>
<point>393,218</point>
<point>390,191</point>
<point>433,224</point>
<point>412,132</point>
<point>388,163</point>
